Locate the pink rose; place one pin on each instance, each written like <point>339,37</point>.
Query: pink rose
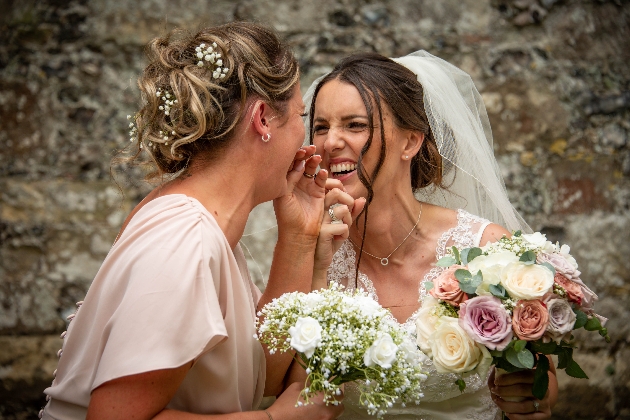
<point>560,263</point>
<point>561,319</point>
<point>574,291</point>
<point>487,321</point>
<point>446,287</point>
<point>530,319</point>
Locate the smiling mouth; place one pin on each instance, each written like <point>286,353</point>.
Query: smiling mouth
<point>341,169</point>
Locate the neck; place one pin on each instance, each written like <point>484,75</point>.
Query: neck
<point>390,219</point>
<point>224,189</point>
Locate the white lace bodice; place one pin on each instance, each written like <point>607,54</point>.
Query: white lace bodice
<point>441,395</point>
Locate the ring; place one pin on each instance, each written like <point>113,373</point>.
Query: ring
<point>536,406</point>
<point>309,175</point>
<point>331,213</point>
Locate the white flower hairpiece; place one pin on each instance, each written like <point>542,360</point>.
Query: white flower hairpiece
<point>169,100</point>
<point>211,59</point>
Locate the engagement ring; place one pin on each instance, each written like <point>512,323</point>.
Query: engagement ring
<point>331,213</point>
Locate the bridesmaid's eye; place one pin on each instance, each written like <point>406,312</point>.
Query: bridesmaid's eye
<point>320,129</point>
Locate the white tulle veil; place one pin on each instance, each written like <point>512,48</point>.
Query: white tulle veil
<point>461,129</point>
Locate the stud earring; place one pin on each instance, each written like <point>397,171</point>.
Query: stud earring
<point>406,156</point>
<point>266,137</point>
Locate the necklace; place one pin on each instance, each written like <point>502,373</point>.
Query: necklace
<point>385,260</point>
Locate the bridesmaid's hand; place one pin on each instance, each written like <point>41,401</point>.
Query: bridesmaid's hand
<point>517,387</point>
<point>300,210</point>
<point>284,408</point>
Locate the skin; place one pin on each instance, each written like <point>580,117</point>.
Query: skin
<point>274,171</point>
<point>340,132</point>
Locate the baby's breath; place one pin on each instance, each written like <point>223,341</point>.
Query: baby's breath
<point>348,331</point>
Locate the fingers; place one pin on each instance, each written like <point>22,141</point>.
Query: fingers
<point>334,183</point>
<point>338,196</point>
<point>528,409</point>
<point>359,204</point>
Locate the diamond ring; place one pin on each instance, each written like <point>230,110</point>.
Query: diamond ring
<point>536,406</point>
<point>331,213</point>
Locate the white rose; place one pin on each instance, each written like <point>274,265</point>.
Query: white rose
<point>367,305</point>
<point>491,267</point>
<point>311,301</point>
<point>526,281</point>
<point>382,352</point>
<point>565,252</point>
<point>413,356</point>
<point>537,239</point>
<point>455,352</point>
<point>425,323</point>
<point>306,335</point>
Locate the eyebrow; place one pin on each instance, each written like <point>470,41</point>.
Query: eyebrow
<point>346,117</point>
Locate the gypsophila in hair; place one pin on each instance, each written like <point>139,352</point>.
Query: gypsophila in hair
<point>195,89</point>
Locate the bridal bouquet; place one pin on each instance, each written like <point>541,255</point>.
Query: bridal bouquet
<point>508,304</point>
<point>342,336</point>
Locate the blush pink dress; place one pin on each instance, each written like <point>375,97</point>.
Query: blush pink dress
<point>170,291</point>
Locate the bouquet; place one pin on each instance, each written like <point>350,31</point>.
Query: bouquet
<point>508,304</point>
<point>342,336</point>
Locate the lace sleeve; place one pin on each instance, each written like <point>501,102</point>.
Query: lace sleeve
<point>342,267</point>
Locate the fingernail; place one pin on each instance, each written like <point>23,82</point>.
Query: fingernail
<point>300,166</point>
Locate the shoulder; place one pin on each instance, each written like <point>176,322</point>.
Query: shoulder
<point>493,233</point>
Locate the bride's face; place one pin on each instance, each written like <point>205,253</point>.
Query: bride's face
<point>341,129</point>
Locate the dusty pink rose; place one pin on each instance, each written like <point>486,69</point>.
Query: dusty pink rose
<point>446,287</point>
<point>574,290</point>
<point>560,263</point>
<point>486,321</point>
<point>561,319</point>
<point>530,319</point>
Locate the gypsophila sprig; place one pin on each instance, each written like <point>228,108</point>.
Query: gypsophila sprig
<point>509,304</point>
<point>133,128</point>
<point>169,100</point>
<point>342,336</point>
<point>211,59</point>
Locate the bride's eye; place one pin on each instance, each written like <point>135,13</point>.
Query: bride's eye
<point>320,129</point>
<point>304,114</point>
<point>356,126</point>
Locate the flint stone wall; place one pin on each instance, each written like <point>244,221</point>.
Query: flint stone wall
<point>554,75</point>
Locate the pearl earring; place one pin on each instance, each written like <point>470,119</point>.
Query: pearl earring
<point>406,157</point>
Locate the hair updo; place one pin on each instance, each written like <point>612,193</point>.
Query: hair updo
<point>188,108</point>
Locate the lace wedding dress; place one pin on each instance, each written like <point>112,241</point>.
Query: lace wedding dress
<point>442,398</point>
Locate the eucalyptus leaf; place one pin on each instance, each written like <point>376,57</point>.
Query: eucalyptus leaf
<point>512,356</point>
<point>463,275</point>
<point>580,319</point>
<point>517,234</point>
<point>544,348</point>
<point>496,353</point>
<point>456,255</point>
<point>525,357</point>
<point>519,345</point>
<point>428,285</point>
<point>528,258</point>
<point>446,261</point>
<point>498,291</point>
<point>541,378</point>
<point>550,267</point>
<point>473,253</point>
<point>464,255</point>
<point>467,282</point>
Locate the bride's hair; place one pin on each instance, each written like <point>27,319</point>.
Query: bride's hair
<point>383,82</point>
<point>192,102</point>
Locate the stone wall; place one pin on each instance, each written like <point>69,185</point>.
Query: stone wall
<point>554,74</point>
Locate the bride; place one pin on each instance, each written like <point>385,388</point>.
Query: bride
<point>412,137</point>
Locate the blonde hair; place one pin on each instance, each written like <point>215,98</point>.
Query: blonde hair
<point>207,110</point>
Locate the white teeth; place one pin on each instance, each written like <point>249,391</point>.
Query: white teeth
<point>343,167</point>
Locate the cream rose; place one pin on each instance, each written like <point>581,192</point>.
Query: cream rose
<point>455,352</point>
<point>425,323</point>
<point>526,282</point>
<point>306,335</point>
<point>382,352</point>
<point>491,267</point>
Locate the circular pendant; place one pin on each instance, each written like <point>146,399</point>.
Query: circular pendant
<point>384,261</point>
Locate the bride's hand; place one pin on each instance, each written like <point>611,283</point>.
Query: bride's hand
<point>300,210</point>
<point>518,386</point>
<point>333,232</point>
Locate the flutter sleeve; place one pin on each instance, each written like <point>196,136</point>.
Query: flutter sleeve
<point>166,311</point>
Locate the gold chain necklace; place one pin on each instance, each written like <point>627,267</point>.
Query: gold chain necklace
<point>385,260</point>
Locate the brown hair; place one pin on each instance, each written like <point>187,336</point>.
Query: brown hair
<point>205,111</point>
<point>380,79</point>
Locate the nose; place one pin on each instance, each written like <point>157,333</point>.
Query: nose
<point>334,140</point>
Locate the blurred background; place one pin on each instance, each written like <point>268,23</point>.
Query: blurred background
<point>554,75</point>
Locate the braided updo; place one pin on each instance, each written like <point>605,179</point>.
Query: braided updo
<point>189,108</point>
